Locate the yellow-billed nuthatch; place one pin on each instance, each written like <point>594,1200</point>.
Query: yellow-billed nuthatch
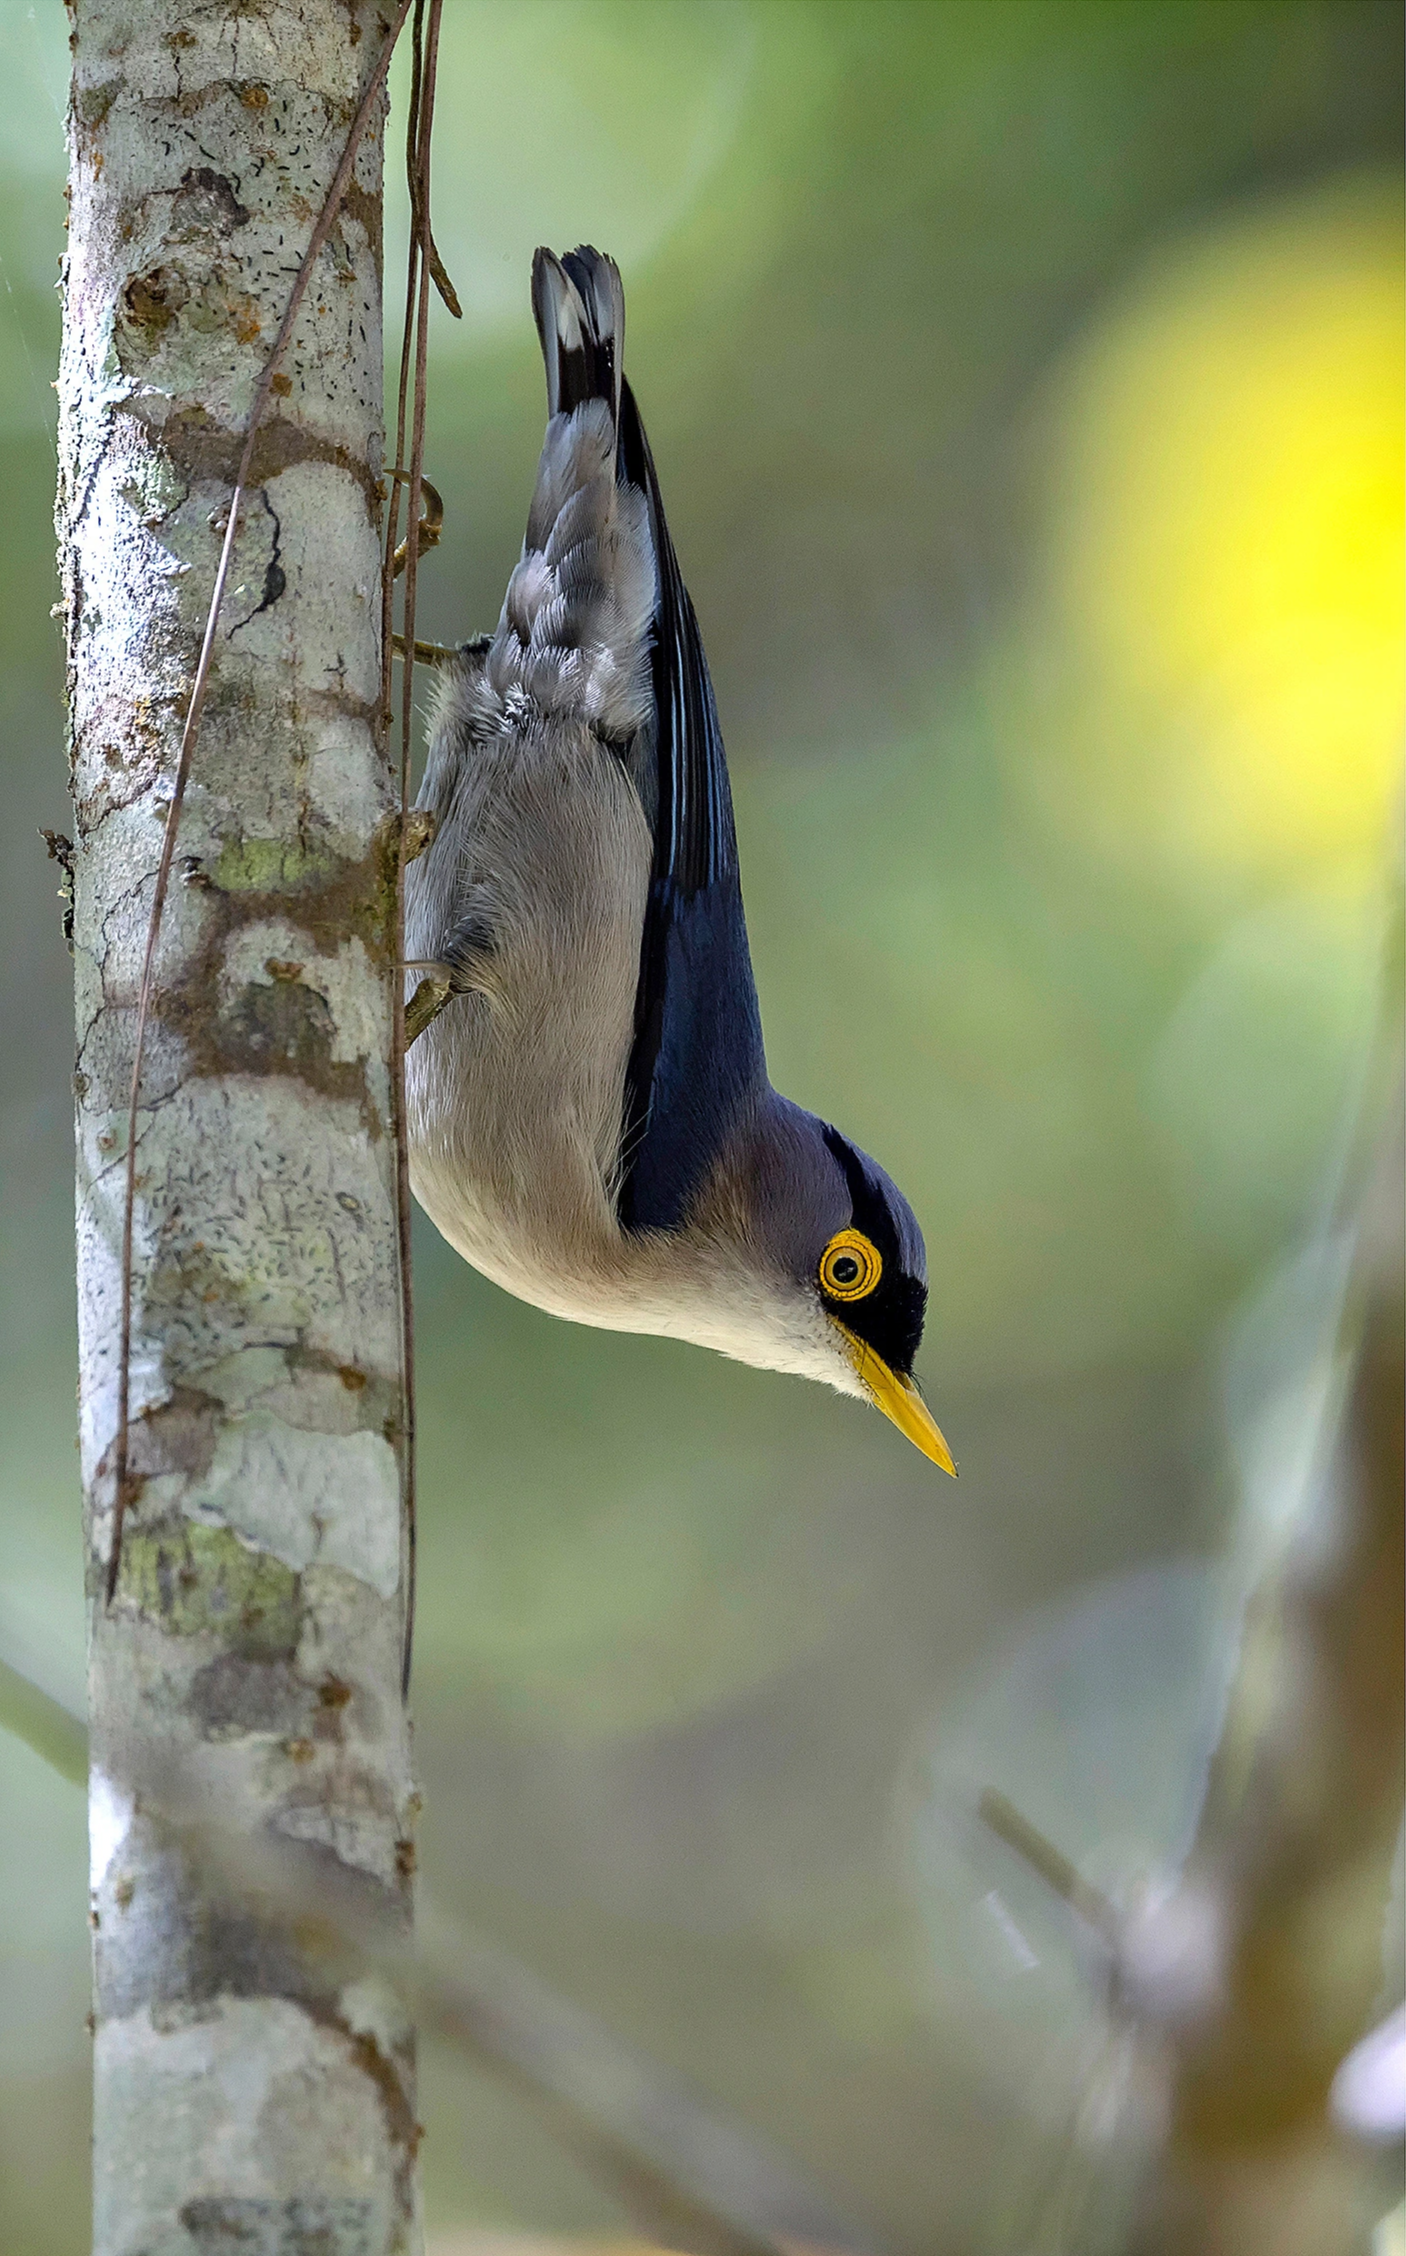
<point>590,1118</point>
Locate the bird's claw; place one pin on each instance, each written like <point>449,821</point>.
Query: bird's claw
<point>428,999</point>
<point>418,832</point>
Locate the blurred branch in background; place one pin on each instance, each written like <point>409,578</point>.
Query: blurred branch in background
<point>683,2173</point>
<point>999,1812</point>
<point>43,1724</point>
<point>1264,1967</point>
<point>1251,1982</point>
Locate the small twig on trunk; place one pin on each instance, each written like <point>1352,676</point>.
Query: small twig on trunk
<point>427,532</point>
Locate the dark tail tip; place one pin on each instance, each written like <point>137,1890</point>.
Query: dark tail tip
<point>578,303</point>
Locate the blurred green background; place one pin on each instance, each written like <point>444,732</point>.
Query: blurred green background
<point>1025,380</point>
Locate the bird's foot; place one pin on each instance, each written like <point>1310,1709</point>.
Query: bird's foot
<point>429,998</point>
<point>460,968</point>
<point>426,653</point>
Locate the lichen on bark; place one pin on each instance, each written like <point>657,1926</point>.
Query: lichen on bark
<point>248,1667</point>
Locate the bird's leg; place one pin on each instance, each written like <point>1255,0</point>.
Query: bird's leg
<point>457,970</point>
<point>469,943</point>
<point>420,826</point>
<point>445,653</point>
<point>426,653</point>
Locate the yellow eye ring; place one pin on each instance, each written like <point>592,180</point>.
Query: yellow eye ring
<point>850,1266</point>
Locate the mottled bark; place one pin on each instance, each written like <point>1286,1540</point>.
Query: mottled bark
<point>249,2091</point>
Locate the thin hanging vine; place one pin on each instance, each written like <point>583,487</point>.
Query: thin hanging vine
<point>423,264</point>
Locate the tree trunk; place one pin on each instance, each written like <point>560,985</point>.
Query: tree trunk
<point>252,2090</point>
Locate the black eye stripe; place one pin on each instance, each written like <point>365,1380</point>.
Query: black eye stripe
<point>890,1319</point>
<point>892,1322</point>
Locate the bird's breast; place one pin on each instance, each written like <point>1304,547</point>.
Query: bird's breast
<point>515,1092</point>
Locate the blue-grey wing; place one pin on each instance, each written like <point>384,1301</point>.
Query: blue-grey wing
<point>697,1056</point>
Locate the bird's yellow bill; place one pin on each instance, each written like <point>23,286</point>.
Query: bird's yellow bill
<point>898,1398</point>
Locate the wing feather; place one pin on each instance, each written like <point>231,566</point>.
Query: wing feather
<point>697,1058</point>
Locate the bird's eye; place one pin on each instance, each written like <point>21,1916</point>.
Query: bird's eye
<point>850,1266</point>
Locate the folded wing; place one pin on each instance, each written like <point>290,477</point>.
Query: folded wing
<point>697,1059</point>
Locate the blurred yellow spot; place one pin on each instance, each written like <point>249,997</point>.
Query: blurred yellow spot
<point>1227,565</point>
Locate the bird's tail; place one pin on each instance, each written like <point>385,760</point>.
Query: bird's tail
<point>574,634</point>
<point>579,306</point>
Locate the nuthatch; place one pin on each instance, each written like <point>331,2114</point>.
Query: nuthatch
<point>590,1118</point>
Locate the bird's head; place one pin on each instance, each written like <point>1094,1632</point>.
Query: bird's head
<point>837,1271</point>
